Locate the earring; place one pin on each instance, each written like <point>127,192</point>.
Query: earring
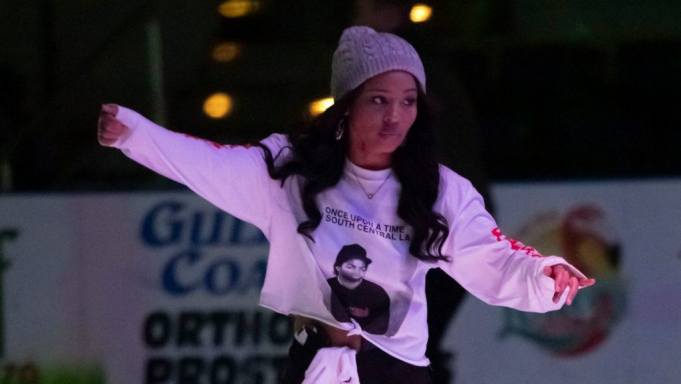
<point>340,129</point>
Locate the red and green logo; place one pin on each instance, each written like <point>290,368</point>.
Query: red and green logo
<point>585,238</point>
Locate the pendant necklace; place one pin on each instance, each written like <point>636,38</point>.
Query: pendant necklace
<point>369,195</point>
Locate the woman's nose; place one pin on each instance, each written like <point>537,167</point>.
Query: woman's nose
<point>391,115</point>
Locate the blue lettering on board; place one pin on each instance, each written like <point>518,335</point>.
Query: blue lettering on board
<point>173,223</point>
<point>176,225</point>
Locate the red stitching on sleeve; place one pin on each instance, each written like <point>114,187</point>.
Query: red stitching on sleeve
<point>515,244</point>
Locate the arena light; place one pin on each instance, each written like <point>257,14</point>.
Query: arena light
<point>238,8</point>
<point>319,106</point>
<point>218,105</point>
<point>225,52</point>
<point>420,13</point>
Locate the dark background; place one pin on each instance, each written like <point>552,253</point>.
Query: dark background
<point>561,89</point>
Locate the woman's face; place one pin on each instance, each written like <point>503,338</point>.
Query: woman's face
<point>382,114</point>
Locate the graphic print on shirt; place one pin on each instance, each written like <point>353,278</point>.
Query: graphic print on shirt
<point>353,296</point>
<point>385,239</point>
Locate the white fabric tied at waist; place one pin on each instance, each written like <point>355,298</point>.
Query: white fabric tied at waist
<point>357,330</point>
<point>335,365</point>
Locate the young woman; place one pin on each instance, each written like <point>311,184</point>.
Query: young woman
<point>363,176</point>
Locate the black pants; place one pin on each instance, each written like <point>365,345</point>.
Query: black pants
<point>373,367</point>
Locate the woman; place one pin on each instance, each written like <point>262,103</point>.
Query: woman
<point>362,176</point>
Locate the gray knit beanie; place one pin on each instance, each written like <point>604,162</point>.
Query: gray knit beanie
<point>363,53</point>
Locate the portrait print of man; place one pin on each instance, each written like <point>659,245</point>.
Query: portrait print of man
<point>354,297</point>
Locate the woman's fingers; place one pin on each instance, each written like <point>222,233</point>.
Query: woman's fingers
<point>563,280</point>
<point>574,287</point>
<point>548,271</point>
<point>109,129</point>
<point>558,285</point>
<point>110,108</point>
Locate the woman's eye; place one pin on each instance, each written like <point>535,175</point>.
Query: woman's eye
<point>410,101</point>
<point>378,100</point>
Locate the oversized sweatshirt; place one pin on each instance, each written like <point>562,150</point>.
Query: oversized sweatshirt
<point>496,269</point>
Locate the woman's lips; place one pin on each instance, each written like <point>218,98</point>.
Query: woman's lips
<point>388,134</point>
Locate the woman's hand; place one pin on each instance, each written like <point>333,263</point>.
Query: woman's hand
<point>109,129</point>
<point>565,278</point>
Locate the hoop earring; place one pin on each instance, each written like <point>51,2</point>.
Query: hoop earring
<point>341,129</point>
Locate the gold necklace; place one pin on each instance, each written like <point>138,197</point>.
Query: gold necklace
<point>369,195</point>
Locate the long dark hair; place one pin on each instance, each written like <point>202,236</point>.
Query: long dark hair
<point>319,158</point>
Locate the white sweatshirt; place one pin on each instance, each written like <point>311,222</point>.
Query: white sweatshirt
<point>300,272</point>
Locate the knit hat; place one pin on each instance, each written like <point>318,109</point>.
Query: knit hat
<point>352,252</point>
<point>363,53</point>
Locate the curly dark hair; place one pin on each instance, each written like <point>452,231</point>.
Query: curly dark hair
<point>319,159</point>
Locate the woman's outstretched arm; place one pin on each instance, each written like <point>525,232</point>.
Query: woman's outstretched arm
<point>234,178</point>
<point>500,270</point>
